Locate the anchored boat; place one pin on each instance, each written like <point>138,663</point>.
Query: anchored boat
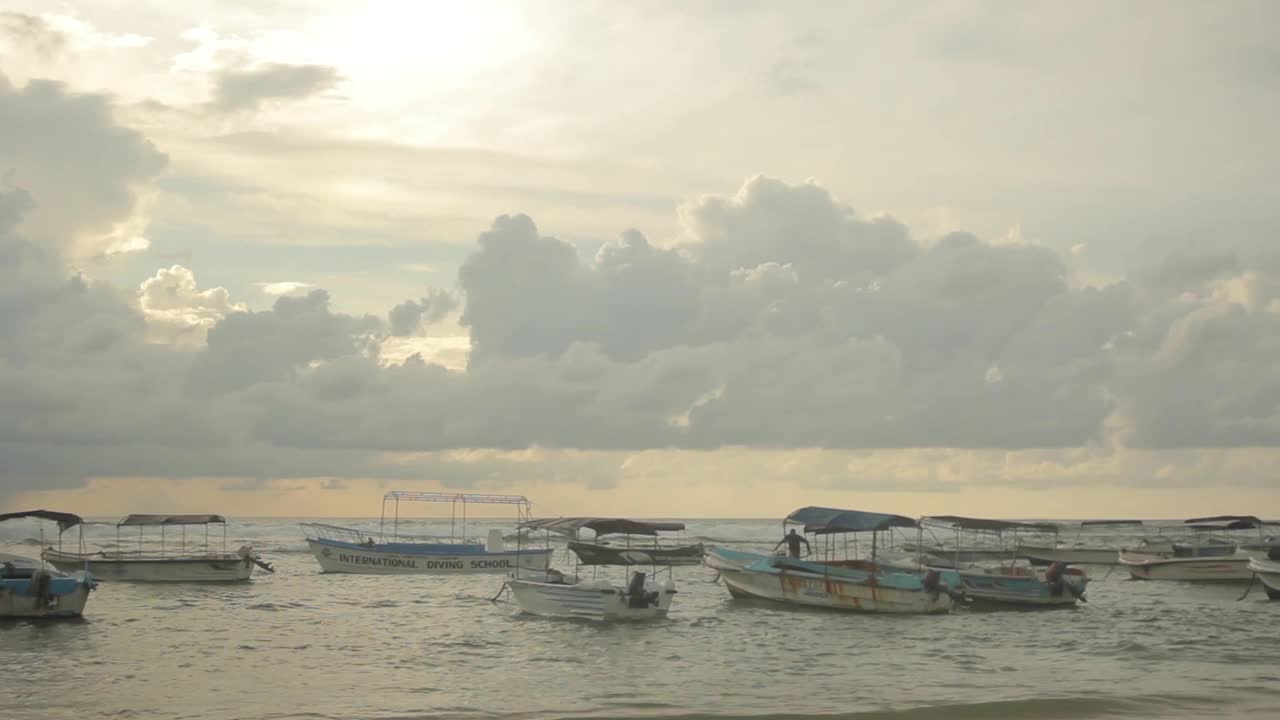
<point>646,596</point>
<point>351,550</point>
<point>624,549</point>
<point>1079,551</point>
<point>191,561</point>
<point>31,589</point>
<point>1011,580</point>
<point>1205,558</point>
<point>863,585</point>
<point>1268,572</point>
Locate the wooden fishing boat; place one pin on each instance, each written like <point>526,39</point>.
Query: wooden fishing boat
<point>627,548</point>
<point>188,562</point>
<point>1013,580</point>
<point>646,595</point>
<point>863,585</point>
<point>1267,571</point>
<point>31,589</point>
<point>1205,559</point>
<point>1079,551</point>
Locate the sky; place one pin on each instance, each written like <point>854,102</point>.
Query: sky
<point>658,259</point>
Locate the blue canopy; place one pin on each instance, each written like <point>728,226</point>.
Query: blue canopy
<point>822,520</point>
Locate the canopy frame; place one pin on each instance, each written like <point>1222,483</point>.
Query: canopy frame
<point>64,520</point>
<point>141,521</point>
<point>990,526</point>
<point>457,501</point>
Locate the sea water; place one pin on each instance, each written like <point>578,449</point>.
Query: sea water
<point>300,644</point>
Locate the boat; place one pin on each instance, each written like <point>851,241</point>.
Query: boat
<point>192,561</point>
<point>1013,580</point>
<point>341,549</point>
<point>821,580</point>
<point>646,596</point>
<point>1077,552</point>
<point>1267,571</point>
<point>29,588</point>
<point>624,551</point>
<point>1205,559</point>
<point>952,554</point>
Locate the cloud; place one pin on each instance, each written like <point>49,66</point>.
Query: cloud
<point>285,287</point>
<point>33,34</point>
<point>410,316</point>
<point>238,89</point>
<point>778,319</point>
<point>85,174</point>
<point>177,311</point>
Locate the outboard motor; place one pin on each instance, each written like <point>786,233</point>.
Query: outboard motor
<point>932,582</point>
<point>637,598</point>
<point>247,555</point>
<point>40,581</point>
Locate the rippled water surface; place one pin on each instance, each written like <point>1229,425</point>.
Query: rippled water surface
<point>299,644</point>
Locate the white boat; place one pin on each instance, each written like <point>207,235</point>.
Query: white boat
<point>1079,551</point>
<point>1069,554</point>
<point>1222,568</point>
<point>646,596</point>
<point>190,561</point>
<point>31,589</point>
<point>1205,559</point>
<point>350,550</point>
<point>823,581</point>
<point>1267,571</point>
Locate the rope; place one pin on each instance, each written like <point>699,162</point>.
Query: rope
<point>1252,580</point>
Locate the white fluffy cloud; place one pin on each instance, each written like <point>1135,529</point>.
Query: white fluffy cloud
<point>178,311</point>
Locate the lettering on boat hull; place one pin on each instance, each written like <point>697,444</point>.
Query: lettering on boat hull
<point>339,559</point>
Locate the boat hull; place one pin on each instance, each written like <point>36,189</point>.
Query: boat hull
<point>596,554</point>
<point>1234,568</point>
<point>64,597</point>
<point>591,600</point>
<point>212,568</point>
<point>1042,555</point>
<point>340,557</point>
<point>1027,590</point>
<point>760,580</point>
<point>1268,573</point>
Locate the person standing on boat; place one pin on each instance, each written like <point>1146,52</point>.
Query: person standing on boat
<point>793,540</point>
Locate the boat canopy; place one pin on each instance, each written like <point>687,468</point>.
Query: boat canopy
<point>1225,522</point>
<point>1089,523</point>
<point>1223,519</point>
<point>65,520</point>
<point>171,520</point>
<point>968,523</point>
<point>824,520</point>
<point>601,526</point>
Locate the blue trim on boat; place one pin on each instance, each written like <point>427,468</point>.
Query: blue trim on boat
<point>57,586</point>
